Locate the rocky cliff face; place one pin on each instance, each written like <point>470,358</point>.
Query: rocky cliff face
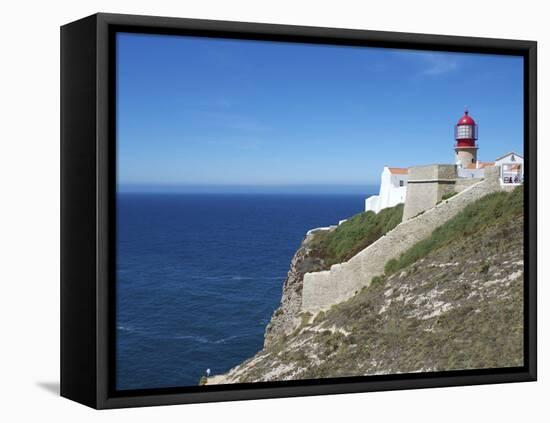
<point>285,319</point>
<point>458,307</point>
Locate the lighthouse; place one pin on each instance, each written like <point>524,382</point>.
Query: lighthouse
<point>466,137</point>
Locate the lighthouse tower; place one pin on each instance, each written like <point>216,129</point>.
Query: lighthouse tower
<point>466,137</point>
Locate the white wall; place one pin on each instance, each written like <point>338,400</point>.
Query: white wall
<point>372,203</point>
<point>391,193</point>
<point>30,210</point>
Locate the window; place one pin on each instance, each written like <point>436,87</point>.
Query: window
<point>464,131</point>
<point>473,160</point>
<point>511,173</point>
<point>401,183</point>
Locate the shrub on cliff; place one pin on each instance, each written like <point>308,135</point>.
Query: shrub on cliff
<point>355,234</point>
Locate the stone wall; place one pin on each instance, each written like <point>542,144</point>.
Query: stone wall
<point>432,172</point>
<point>342,281</point>
<point>426,186</point>
<point>462,183</point>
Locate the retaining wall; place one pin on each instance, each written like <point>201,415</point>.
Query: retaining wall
<point>323,289</point>
<point>462,183</point>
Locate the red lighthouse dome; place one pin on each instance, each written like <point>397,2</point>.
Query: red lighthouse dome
<point>466,131</point>
<point>466,119</point>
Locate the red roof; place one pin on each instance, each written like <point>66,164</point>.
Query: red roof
<point>399,170</point>
<point>486,164</point>
<point>480,165</point>
<point>466,119</point>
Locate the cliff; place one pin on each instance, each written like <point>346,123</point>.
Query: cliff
<point>318,251</point>
<point>452,301</point>
<point>285,318</point>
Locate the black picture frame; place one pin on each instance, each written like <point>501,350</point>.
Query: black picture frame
<point>87,209</point>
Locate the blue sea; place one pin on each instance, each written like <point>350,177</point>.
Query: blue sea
<point>199,276</point>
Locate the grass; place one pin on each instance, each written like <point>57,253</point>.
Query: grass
<point>305,317</point>
<point>478,332</point>
<point>474,218</point>
<point>319,318</point>
<point>447,196</point>
<point>355,234</point>
<point>377,281</point>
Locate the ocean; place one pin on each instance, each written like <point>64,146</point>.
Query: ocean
<point>199,276</point>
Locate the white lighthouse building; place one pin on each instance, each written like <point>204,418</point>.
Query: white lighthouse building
<point>393,189</point>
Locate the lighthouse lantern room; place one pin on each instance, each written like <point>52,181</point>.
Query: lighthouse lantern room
<point>466,137</point>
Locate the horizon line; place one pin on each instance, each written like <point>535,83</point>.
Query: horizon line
<point>363,189</point>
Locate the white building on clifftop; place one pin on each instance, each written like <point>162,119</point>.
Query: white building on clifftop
<point>393,188</point>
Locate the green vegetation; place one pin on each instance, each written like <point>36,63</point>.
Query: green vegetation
<point>447,196</point>
<point>202,381</point>
<point>355,234</point>
<point>484,268</point>
<point>377,281</point>
<point>486,211</point>
<point>319,318</point>
<point>305,318</point>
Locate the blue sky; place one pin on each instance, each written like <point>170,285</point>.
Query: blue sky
<point>200,114</point>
